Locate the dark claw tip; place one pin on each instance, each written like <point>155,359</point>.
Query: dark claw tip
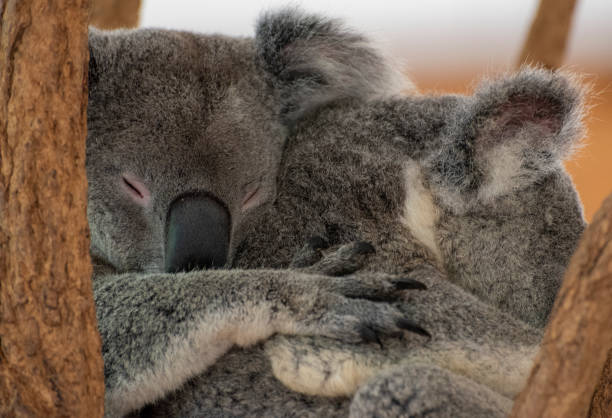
<point>412,327</point>
<point>369,335</point>
<point>406,283</point>
<point>317,243</point>
<point>363,247</point>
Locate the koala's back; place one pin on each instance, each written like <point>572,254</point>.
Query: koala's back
<point>341,178</point>
<point>513,252</point>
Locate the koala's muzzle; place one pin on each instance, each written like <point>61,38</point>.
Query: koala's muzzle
<point>197,233</point>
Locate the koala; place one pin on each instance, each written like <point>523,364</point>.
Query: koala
<point>211,161</point>
<point>159,214</point>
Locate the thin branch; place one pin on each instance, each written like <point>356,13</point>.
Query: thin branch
<point>547,39</point>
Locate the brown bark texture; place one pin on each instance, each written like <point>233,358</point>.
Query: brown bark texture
<point>50,356</point>
<point>579,335</point>
<point>601,405</point>
<point>547,39</point>
<point>114,14</point>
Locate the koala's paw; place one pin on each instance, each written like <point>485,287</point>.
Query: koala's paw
<point>310,253</point>
<point>354,308</point>
<point>340,261</point>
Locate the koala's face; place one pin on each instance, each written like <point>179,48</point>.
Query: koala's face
<point>185,132</point>
<point>175,117</point>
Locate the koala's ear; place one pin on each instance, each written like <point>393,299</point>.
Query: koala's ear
<point>512,132</point>
<point>313,60</point>
<point>538,110</point>
<point>520,128</point>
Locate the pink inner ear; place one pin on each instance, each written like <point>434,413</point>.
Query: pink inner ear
<point>519,111</point>
<point>136,189</point>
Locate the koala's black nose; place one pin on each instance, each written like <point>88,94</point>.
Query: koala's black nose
<point>197,233</point>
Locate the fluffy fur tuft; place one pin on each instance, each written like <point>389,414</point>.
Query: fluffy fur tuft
<point>315,60</point>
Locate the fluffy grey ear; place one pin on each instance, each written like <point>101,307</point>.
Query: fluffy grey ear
<point>539,110</point>
<point>312,60</point>
<point>512,132</point>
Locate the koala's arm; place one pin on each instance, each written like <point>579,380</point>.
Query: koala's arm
<point>458,346</point>
<point>158,330</point>
<point>468,337</point>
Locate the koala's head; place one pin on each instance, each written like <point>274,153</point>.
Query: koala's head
<point>185,131</point>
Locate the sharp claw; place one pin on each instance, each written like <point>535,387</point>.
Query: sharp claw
<point>380,344</point>
<point>317,243</point>
<point>369,335</point>
<point>363,247</point>
<point>406,283</point>
<point>412,327</point>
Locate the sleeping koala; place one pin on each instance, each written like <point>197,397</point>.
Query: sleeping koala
<point>210,151</point>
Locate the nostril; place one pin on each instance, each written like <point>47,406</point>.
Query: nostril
<point>136,189</point>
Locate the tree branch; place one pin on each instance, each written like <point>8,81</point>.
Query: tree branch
<point>547,39</point>
<point>114,14</point>
<point>50,359</point>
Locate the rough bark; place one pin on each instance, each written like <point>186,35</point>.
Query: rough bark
<point>601,405</point>
<point>547,39</point>
<point>114,14</point>
<point>579,335</point>
<point>50,358</point>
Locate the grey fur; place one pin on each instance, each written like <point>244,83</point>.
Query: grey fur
<point>291,133</point>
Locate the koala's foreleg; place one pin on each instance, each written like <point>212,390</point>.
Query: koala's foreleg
<point>158,330</point>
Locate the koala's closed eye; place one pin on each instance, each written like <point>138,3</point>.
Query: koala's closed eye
<point>135,189</point>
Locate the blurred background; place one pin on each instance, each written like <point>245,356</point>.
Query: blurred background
<point>445,46</point>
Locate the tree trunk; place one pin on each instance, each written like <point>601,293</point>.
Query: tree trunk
<point>547,38</point>
<point>601,405</point>
<point>114,14</point>
<point>50,359</point>
<point>579,335</point>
